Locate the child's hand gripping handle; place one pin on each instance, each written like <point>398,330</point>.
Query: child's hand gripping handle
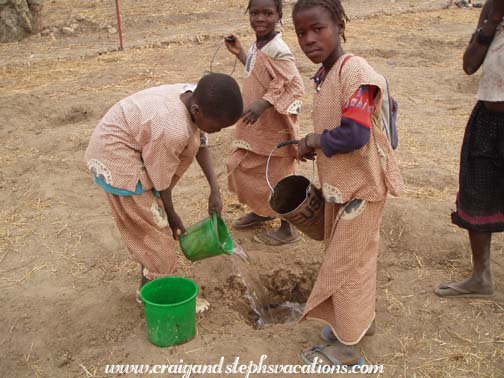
<point>280,145</point>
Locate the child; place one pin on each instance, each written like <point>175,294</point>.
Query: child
<point>480,200</point>
<point>272,93</point>
<point>357,169</point>
<point>142,147</point>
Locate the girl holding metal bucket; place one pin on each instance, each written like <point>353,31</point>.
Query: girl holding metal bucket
<point>272,93</point>
<point>357,170</point>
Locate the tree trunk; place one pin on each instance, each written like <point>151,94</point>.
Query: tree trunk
<point>19,18</point>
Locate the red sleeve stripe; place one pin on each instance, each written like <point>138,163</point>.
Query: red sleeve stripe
<point>360,106</point>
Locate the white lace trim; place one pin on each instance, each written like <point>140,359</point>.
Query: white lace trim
<point>99,169</point>
<point>239,143</point>
<point>332,194</point>
<point>295,107</point>
<point>159,215</point>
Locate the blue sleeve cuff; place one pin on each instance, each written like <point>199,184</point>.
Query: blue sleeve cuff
<point>350,136</point>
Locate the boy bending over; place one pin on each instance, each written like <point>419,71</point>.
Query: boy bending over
<point>140,150</point>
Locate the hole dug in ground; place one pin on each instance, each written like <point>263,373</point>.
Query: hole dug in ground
<point>274,298</point>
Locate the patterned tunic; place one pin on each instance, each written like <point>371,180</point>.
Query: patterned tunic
<point>367,173</point>
<point>147,137</point>
<point>271,74</point>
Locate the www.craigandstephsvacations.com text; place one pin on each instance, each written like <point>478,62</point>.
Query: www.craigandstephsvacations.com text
<point>238,368</point>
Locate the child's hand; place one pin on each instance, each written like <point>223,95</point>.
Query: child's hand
<point>215,204</point>
<point>305,152</point>
<point>176,225</point>
<point>254,111</point>
<point>233,44</point>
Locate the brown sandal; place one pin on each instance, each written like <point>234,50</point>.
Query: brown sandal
<point>250,219</point>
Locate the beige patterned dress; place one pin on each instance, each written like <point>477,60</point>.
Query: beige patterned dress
<point>271,74</point>
<point>146,138</point>
<point>355,186</point>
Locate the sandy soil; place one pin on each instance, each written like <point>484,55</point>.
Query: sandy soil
<point>67,288</point>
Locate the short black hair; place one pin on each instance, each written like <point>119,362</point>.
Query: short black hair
<point>278,4</point>
<point>218,95</point>
<point>333,6</point>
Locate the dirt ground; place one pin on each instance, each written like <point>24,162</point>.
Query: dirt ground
<point>68,291</point>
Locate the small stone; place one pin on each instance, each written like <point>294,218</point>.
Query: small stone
<point>112,30</point>
<point>74,26</point>
<point>67,30</point>
<point>46,32</point>
<point>62,362</point>
<point>79,17</point>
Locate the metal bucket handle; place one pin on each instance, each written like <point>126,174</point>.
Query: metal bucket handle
<point>280,145</point>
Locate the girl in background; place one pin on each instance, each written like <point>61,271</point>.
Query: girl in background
<point>272,93</point>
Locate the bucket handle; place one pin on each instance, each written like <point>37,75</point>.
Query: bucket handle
<point>214,225</point>
<point>280,145</point>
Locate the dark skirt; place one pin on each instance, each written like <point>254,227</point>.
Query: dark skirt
<point>480,200</point>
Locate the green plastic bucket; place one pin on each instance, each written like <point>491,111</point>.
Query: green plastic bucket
<point>170,310</point>
<point>207,238</point>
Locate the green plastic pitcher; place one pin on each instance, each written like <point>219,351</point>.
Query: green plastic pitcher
<point>170,310</point>
<point>207,238</point>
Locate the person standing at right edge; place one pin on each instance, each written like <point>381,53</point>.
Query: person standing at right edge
<point>480,200</point>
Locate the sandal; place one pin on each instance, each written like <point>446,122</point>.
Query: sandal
<point>201,305</point>
<point>319,353</point>
<point>452,290</point>
<point>250,219</point>
<point>271,239</point>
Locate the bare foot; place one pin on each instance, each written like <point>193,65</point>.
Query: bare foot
<point>328,336</point>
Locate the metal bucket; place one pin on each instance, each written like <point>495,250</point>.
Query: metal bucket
<point>296,200</point>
